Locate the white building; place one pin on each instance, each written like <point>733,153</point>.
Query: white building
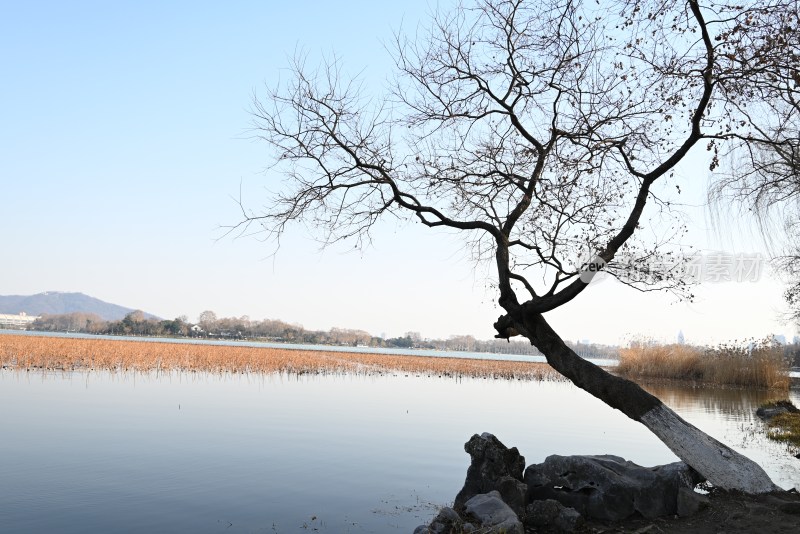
<point>20,321</point>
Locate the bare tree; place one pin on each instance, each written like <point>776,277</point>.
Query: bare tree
<point>207,321</point>
<point>539,130</point>
<point>762,60</point>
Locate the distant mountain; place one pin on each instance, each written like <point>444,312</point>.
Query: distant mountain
<point>55,302</point>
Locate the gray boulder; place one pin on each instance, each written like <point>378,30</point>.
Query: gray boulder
<point>493,467</point>
<point>492,515</point>
<point>446,522</point>
<point>553,514</point>
<point>609,487</point>
<point>690,502</point>
<point>768,412</point>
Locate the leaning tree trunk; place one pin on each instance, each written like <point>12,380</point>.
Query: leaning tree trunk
<point>718,463</point>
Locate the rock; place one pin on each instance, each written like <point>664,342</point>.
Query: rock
<point>446,522</point>
<point>492,514</point>
<point>768,412</point>
<point>690,502</point>
<point>514,493</point>
<point>553,514</point>
<point>790,508</point>
<point>493,466</point>
<point>608,487</point>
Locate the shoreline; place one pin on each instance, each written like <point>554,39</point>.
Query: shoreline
<point>29,351</point>
<point>26,352</point>
<point>288,345</point>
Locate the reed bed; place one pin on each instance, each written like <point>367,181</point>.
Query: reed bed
<point>759,365</point>
<point>53,353</point>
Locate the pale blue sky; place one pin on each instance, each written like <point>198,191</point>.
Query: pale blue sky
<point>123,139</point>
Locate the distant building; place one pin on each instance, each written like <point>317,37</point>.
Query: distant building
<point>18,322</point>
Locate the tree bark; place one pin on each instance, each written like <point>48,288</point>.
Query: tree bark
<point>719,464</point>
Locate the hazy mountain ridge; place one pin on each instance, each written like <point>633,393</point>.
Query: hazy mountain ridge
<point>56,302</point>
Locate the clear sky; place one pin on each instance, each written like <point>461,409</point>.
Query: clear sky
<point>123,144</point>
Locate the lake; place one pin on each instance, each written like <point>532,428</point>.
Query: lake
<point>90,451</point>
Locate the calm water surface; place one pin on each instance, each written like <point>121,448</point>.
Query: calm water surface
<point>132,452</point>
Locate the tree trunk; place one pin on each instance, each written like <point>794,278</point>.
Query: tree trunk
<point>718,463</point>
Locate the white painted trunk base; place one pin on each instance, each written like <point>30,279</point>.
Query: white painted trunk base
<point>718,463</point>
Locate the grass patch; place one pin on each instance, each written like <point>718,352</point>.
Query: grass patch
<point>40,352</point>
<point>756,365</point>
<point>785,427</point>
<point>783,421</point>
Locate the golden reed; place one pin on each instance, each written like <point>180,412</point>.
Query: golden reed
<point>761,366</point>
<point>58,353</point>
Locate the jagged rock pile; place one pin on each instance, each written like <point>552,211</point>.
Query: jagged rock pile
<point>559,493</point>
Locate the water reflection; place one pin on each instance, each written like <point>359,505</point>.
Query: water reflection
<point>737,403</point>
<point>134,452</point>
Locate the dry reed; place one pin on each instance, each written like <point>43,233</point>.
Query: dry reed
<point>759,365</point>
<point>34,352</point>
